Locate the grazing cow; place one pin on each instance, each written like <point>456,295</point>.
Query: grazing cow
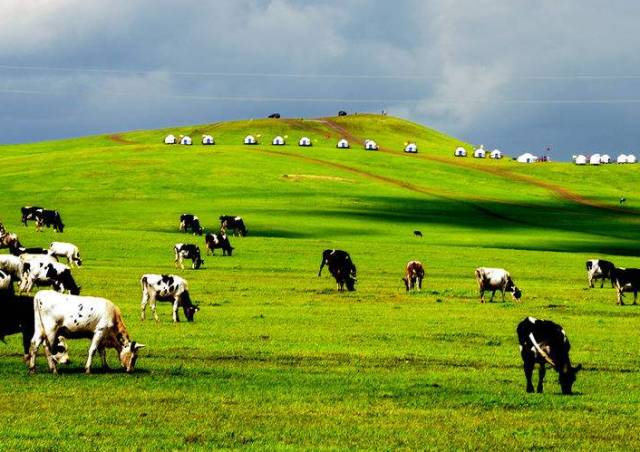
<point>12,265</point>
<point>214,241</point>
<point>45,273</point>
<point>68,250</point>
<point>494,279</point>
<point>29,213</point>
<point>599,269</point>
<point>166,288</point>
<point>9,240</point>
<point>542,341</point>
<point>57,315</point>
<point>236,224</point>
<point>341,268</point>
<point>274,116</point>
<point>48,218</point>
<point>188,251</point>
<point>414,274</point>
<point>626,280</point>
<point>190,221</point>
<point>417,234</point>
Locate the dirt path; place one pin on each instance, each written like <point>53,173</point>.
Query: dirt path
<point>117,138</point>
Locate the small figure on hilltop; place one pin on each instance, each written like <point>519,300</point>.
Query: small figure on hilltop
<point>622,200</point>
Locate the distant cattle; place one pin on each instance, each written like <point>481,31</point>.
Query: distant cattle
<point>218,241</point>
<point>190,222</point>
<point>417,234</point>
<point>544,342</point>
<point>274,116</point>
<point>626,280</point>
<point>341,268</point>
<point>235,223</point>
<point>166,288</point>
<point>188,251</point>
<point>29,213</point>
<point>599,269</point>
<point>44,273</point>
<point>57,315</point>
<point>48,218</point>
<point>493,279</point>
<point>413,276</point>
<point>342,113</point>
<point>68,250</point>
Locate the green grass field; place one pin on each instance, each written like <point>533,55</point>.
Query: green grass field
<point>277,358</point>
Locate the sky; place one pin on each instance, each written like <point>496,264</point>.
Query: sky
<point>515,75</point>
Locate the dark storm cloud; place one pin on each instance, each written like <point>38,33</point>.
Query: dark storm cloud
<point>492,72</point>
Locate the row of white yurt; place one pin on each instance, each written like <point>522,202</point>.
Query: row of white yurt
<point>186,140</point>
<point>479,153</point>
<point>622,158</point>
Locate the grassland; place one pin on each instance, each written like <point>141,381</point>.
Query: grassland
<point>277,359</point>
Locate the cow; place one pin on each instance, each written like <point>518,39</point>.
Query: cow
<point>626,280</point>
<point>414,274</point>
<point>417,234</point>
<point>274,116</point>
<point>599,269</point>
<point>48,218</point>
<point>341,268</point>
<point>190,221</point>
<point>6,282</point>
<point>236,224</point>
<point>57,315</point>
<point>9,240</point>
<point>29,213</point>
<point>68,250</point>
<point>12,265</point>
<point>45,273</point>
<point>21,250</point>
<point>214,241</point>
<point>544,342</point>
<point>166,288</point>
<point>494,279</point>
<point>188,251</point>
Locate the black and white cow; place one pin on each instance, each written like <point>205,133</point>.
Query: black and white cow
<point>190,222</point>
<point>626,280</point>
<point>41,272</point>
<point>29,213</point>
<point>215,241</point>
<point>188,251</point>
<point>48,218</point>
<point>21,250</point>
<point>341,268</point>
<point>166,288</point>
<point>236,224</point>
<point>494,279</point>
<point>599,269</point>
<point>544,342</point>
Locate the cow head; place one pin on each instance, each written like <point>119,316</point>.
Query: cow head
<point>190,311</point>
<point>567,377</point>
<point>516,293</point>
<point>351,283</point>
<point>129,355</point>
<point>197,262</point>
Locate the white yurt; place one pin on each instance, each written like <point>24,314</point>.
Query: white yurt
<point>480,153</point>
<point>207,139</point>
<point>370,145</point>
<point>278,141</point>
<point>496,154</point>
<point>411,148</point>
<point>460,152</point>
<point>580,160</point>
<point>186,140</point>
<point>527,157</point>
<point>631,158</point>
<point>605,158</point>
<point>170,139</point>
<point>304,141</point>
<point>594,159</point>
<point>343,144</point>
<point>249,139</point>
<point>622,159</point>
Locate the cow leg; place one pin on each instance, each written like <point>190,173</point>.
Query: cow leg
<point>528,372</point>
<point>635,296</point>
<point>36,342</point>
<point>103,357</point>
<point>541,374</point>
<point>620,301</point>
<point>143,304</point>
<point>176,304</point>
<point>602,282</point>
<point>493,294</point>
<point>590,277</point>
<point>95,342</point>
<point>153,309</point>
<point>481,295</point>
<point>419,284</point>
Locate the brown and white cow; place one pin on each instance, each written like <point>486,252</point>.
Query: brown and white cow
<point>413,276</point>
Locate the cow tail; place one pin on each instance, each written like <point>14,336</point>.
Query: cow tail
<point>589,264</point>
<point>36,308</point>
<point>321,266</point>
<point>478,276</point>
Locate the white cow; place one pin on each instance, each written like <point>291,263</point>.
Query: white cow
<point>5,280</point>
<point>98,319</point>
<point>11,264</point>
<point>496,279</point>
<point>68,250</point>
<point>166,288</point>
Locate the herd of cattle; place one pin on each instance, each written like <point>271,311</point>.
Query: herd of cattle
<point>53,316</point>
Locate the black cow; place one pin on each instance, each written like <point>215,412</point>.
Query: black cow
<point>542,341</point>
<point>236,224</point>
<point>599,269</point>
<point>188,251</point>
<point>274,116</point>
<point>341,267</point>
<point>29,213</point>
<point>626,280</point>
<point>214,241</point>
<point>49,218</point>
<point>342,113</point>
<point>189,221</point>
